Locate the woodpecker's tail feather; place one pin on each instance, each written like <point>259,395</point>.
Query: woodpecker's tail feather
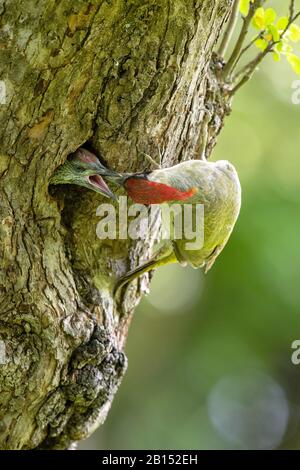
<point>144,268</point>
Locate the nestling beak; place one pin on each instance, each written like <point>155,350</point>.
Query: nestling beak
<point>87,161</point>
<point>96,183</point>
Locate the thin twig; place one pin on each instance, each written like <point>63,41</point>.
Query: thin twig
<point>273,43</point>
<point>249,68</point>
<point>246,48</point>
<point>292,8</point>
<point>292,17</point>
<point>151,160</point>
<point>295,17</point>
<point>230,28</point>
<point>290,22</point>
<point>242,36</point>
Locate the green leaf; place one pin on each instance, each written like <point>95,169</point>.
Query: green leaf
<point>294,62</point>
<point>282,23</point>
<point>262,44</point>
<point>244,7</point>
<point>270,16</point>
<point>276,56</point>
<point>258,20</point>
<point>279,47</point>
<point>274,32</point>
<point>294,32</point>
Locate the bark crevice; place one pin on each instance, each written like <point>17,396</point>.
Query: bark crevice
<point>125,77</point>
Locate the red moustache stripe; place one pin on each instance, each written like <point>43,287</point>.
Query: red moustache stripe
<point>143,191</point>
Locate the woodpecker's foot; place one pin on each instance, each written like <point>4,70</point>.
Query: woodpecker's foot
<point>151,160</point>
<point>154,162</point>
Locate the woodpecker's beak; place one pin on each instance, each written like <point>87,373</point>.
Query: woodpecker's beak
<point>96,183</point>
<point>107,173</point>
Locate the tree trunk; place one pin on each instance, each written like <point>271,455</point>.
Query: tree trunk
<point>123,77</point>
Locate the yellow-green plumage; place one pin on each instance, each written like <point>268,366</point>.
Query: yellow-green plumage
<point>214,184</point>
<point>217,187</point>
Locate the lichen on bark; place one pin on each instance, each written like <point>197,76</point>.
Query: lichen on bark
<point>122,77</point>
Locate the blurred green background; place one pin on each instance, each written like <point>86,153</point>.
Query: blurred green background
<point>210,356</point>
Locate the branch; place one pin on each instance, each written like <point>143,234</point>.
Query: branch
<point>230,29</point>
<point>249,68</point>
<point>241,39</point>
<point>246,48</point>
<point>292,8</point>
<point>292,18</point>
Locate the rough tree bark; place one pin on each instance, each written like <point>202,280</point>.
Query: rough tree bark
<point>122,76</point>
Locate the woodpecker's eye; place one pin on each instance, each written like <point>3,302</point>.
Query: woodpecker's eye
<point>80,166</point>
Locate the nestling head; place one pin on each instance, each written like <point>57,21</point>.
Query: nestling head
<point>82,168</point>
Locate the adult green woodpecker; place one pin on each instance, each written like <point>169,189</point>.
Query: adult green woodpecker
<point>84,169</point>
<point>215,185</point>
